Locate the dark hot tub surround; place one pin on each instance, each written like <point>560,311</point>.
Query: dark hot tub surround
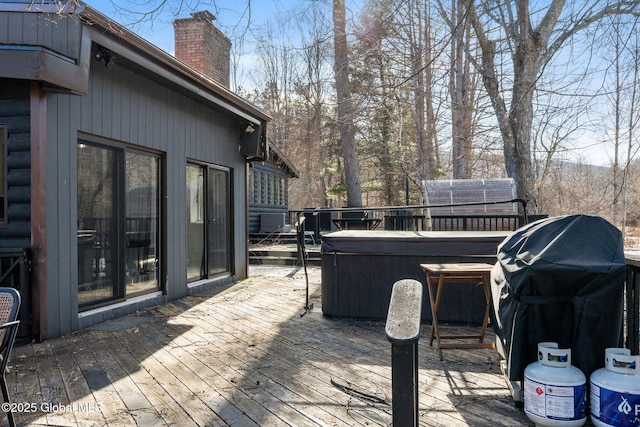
<point>359,269</point>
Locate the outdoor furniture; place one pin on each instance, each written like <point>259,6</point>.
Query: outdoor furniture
<point>456,273</point>
<point>9,306</point>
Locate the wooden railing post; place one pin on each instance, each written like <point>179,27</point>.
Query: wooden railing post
<point>403,331</point>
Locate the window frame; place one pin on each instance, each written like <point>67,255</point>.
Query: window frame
<point>205,273</point>
<point>122,148</point>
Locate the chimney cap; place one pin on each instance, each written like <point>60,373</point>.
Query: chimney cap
<point>204,15</point>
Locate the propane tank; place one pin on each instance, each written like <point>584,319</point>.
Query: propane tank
<point>615,390</point>
<point>555,392</point>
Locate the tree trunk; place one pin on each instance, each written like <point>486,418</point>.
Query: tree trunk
<point>461,92</point>
<point>531,52</point>
<point>424,114</point>
<point>345,108</point>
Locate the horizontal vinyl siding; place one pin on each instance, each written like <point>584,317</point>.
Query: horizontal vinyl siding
<point>126,107</point>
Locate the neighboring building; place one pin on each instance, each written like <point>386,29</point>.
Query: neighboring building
<point>125,170</point>
<point>268,192</point>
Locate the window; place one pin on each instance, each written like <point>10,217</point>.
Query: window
<point>209,222</point>
<point>283,192</point>
<point>263,188</point>
<point>253,190</point>
<point>272,189</point>
<point>118,223</point>
<point>267,188</point>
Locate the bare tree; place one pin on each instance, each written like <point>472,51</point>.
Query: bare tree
<point>566,192</point>
<point>345,109</point>
<point>623,37</point>
<point>462,90</point>
<point>632,128</point>
<point>617,137</point>
<point>293,81</point>
<point>419,35</point>
<point>531,36</point>
<point>557,119</point>
<point>314,153</point>
<point>373,81</point>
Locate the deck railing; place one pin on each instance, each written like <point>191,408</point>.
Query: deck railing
<point>15,272</point>
<point>631,333</point>
<point>477,222</point>
<point>414,218</point>
<point>403,331</point>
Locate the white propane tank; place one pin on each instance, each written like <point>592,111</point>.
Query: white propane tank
<point>615,390</point>
<point>555,392</point>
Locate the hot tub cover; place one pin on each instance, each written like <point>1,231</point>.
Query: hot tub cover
<point>561,280</point>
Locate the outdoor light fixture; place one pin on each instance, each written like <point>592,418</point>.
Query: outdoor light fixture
<point>250,128</point>
<point>105,56</point>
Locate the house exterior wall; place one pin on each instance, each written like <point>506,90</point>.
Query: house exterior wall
<point>41,29</point>
<point>147,101</point>
<point>126,107</point>
<point>268,192</point>
<point>15,114</point>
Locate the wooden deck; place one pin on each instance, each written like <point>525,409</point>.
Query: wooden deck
<point>244,356</point>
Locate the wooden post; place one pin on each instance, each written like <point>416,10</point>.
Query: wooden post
<point>403,331</point>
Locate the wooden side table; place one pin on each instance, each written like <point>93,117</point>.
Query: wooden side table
<point>457,273</point>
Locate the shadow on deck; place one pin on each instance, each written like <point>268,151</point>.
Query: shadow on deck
<point>245,356</point>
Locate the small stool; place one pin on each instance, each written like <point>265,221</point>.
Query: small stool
<point>457,273</point>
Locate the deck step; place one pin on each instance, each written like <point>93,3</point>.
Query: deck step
<point>272,260</point>
<point>283,238</point>
<point>281,257</point>
<point>267,260</point>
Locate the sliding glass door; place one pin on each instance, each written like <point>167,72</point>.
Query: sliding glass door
<point>196,230</point>
<point>118,223</point>
<point>99,228</point>
<point>209,222</point>
<point>142,223</point>
<point>219,222</point>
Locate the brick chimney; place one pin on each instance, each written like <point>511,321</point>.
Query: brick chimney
<point>201,45</point>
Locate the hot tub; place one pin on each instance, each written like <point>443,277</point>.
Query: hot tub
<point>359,269</point>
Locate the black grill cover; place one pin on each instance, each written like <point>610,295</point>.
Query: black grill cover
<point>561,280</point>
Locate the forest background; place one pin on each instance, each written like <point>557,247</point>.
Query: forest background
<point>438,89</point>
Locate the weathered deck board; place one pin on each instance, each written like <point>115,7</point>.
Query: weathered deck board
<point>244,356</point>
<point>140,385</point>
<point>276,366</point>
<point>265,372</point>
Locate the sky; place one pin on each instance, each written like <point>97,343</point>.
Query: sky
<point>232,16</point>
<point>242,17</point>
<point>240,20</point>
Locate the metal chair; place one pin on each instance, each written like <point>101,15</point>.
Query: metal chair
<point>9,307</point>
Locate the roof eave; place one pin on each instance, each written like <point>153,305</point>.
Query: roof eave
<point>101,23</point>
